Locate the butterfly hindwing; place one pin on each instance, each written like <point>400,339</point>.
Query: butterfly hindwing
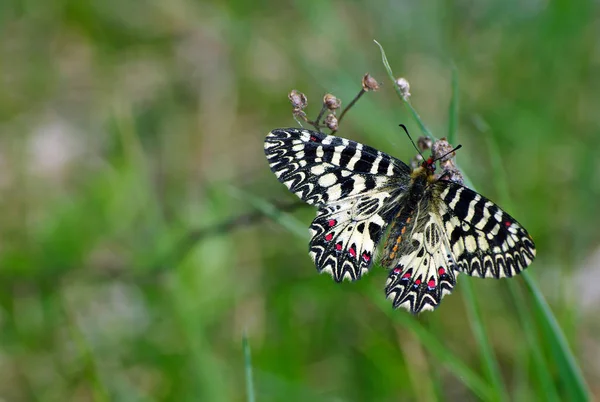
<point>451,230</point>
<point>345,235</point>
<point>485,240</point>
<point>423,271</point>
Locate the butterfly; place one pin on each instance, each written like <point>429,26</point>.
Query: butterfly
<point>436,228</point>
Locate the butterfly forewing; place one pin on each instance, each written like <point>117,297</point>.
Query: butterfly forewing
<point>350,182</point>
<point>438,228</point>
<point>321,169</point>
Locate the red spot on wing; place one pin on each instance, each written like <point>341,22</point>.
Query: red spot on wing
<point>366,257</point>
<point>331,222</point>
<point>441,271</point>
<point>352,252</point>
<point>397,270</point>
<point>418,282</point>
<point>431,283</point>
<point>313,138</point>
<point>507,223</point>
<point>406,275</point>
<point>338,246</point>
<point>329,236</point>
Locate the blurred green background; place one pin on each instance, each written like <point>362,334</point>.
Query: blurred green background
<point>128,128</point>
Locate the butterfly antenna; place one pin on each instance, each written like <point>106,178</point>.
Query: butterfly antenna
<point>449,152</point>
<point>411,140</point>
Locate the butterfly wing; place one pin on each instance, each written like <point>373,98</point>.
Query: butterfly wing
<point>351,183</point>
<point>321,169</point>
<point>452,230</point>
<point>421,269</point>
<point>346,233</point>
<point>486,241</point>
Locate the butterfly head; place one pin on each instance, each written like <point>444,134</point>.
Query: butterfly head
<point>426,171</point>
<point>429,165</point>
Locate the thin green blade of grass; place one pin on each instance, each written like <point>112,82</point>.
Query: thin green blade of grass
<point>485,348</point>
<point>99,391</point>
<point>248,369</point>
<point>546,387</point>
<point>286,220</point>
<point>404,99</point>
<point>489,359</point>
<point>436,377</point>
<point>570,372</point>
<point>453,109</point>
<point>427,339</point>
<point>445,357</point>
<point>572,376</point>
<point>420,375</point>
<point>546,384</point>
<point>477,327</point>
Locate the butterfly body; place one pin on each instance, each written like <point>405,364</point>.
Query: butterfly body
<point>437,228</point>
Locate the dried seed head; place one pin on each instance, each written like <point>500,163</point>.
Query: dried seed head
<point>404,87</point>
<point>331,122</point>
<point>440,148</point>
<point>448,164</point>
<point>299,114</point>
<point>298,99</point>
<point>331,102</point>
<point>452,174</point>
<point>416,161</point>
<point>424,143</point>
<point>369,83</point>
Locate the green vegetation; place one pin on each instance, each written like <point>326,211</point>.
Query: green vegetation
<point>131,133</point>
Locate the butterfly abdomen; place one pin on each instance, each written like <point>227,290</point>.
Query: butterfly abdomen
<point>408,205</point>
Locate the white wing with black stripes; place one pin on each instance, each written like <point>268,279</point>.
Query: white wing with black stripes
<point>438,228</point>
<point>486,241</point>
<point>351,183</point>
<point>451,230</point>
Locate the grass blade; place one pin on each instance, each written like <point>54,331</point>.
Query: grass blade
<point>570,371</point>
<point>404,99</point>
<point>99,391</point>
<point>477,326</point>
<point>425,337</point>
<point>453,109</point>
<point>286,220</point>
<point>490,361</point>
<point>487,353</point>
<point>248,367</point>
<point>443,355</point>
<point>546,383</point>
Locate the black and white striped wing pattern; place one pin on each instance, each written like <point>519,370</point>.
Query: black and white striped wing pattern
<point>420,257</point>
<point>345,235</point>
<point>452,230</point>
<point>351,183</point>
<point>486,241</point>
<point>322,169</point>
<point>439,228</point>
